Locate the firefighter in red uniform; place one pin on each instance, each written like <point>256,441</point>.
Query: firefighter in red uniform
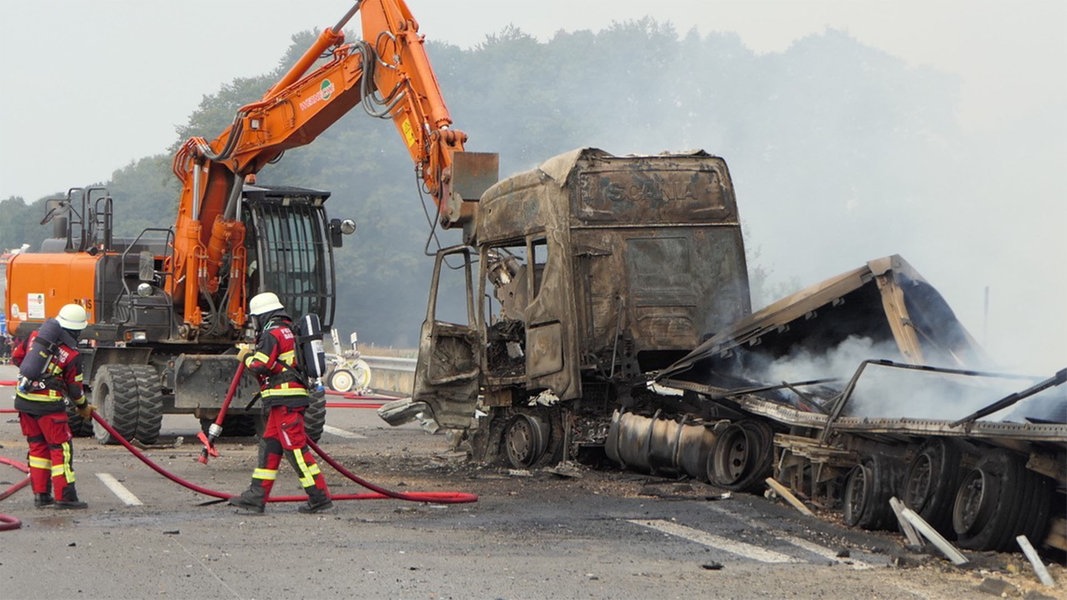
<point>284,394</point>
<point>42,411</point>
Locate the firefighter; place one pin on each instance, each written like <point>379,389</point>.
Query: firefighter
<point>52,350</point>
<point>284,394</point>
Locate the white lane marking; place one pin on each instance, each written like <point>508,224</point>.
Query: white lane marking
<point>119,490</point>
<point>812,547</point>
<point>343,433</point>
<point>715,541</point>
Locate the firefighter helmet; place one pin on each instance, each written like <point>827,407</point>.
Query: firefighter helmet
<point>73,317</point>
<point>264,303</point>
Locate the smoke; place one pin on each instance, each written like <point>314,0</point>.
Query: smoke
<point>840,362</point>
<point>841,153</point>
<point>886,392</point>
<point>890,393</point>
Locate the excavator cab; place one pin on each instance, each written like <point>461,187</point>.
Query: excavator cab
<point>289,243</point>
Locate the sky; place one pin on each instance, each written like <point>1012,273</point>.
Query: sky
<point>92,85</point>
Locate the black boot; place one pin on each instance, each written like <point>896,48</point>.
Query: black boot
<point>70,499</point>
<point>43,500</point>
<point>252,500</point>
<point>317,502</point>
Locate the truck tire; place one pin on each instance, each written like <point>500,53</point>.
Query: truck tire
<point>526,439</point>
<point>930,483</point>
<point>868,488</point>
<point>998,500</point>
<point>742,456</point>
<point>315,416</point>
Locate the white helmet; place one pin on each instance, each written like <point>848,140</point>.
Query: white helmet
<point>73,316</point>
<point>264,303</point>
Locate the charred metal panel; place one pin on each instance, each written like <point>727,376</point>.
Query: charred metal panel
<point>692,188</point>
<point>545,349</point>
<point>885,302</point>
<point>518,206</point>
<point>448,369</point>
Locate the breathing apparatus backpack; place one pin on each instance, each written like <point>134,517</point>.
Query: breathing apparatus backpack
<point>35,363</point>
<point>310,353</point>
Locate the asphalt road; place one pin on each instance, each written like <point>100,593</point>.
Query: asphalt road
<point>529,535</point>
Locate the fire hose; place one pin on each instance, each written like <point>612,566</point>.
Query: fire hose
<point>8,522</point>
<point>379,493</point>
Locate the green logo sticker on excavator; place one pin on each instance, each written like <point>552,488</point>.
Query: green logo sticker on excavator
<point>325,91</point>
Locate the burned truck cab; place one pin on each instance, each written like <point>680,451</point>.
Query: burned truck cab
<point>592,269</point>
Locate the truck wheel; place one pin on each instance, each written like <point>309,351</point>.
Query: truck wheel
<point>868,488</point>
<point>315,416</point>
<point>526,440</point>
<point>149,403</point>
<point>931,482</point>
<point>341,380</point>
<point>741,457</point>
<point>998,500</point>
<point>115,396</point>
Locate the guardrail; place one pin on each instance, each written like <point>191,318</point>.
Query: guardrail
<point>391,373</point>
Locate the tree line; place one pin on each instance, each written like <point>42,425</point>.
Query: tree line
<point>825,129</point>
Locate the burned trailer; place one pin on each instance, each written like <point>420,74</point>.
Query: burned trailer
<point>579,277</point>
<point>866,387</point>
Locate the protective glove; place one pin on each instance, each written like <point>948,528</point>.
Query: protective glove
<point>243,350</point>
<point>24,384</point>
<point>85,411</point>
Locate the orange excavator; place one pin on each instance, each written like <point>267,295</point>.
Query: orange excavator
<point>167,306</point>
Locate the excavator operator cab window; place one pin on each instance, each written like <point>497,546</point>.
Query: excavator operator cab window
<point>289,246</point>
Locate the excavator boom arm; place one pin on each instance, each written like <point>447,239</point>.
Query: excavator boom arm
<point>387,71</point>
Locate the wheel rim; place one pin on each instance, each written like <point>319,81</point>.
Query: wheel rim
<point>732,456</point>
<point>856,492</point>
<point>918,488</point>
<point>970,500</point>
<point>737,457</point>
<point>525,440</point>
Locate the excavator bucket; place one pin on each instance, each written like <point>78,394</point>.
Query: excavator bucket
<point>472,174</point>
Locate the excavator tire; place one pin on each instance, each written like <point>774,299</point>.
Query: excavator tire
<point>79,427</point>
<point>115,396</point>
<point>149,403</point>
<point>315,416</point>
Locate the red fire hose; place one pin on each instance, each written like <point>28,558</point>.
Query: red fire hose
<point>7,522</point>
<point>433,497</point>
